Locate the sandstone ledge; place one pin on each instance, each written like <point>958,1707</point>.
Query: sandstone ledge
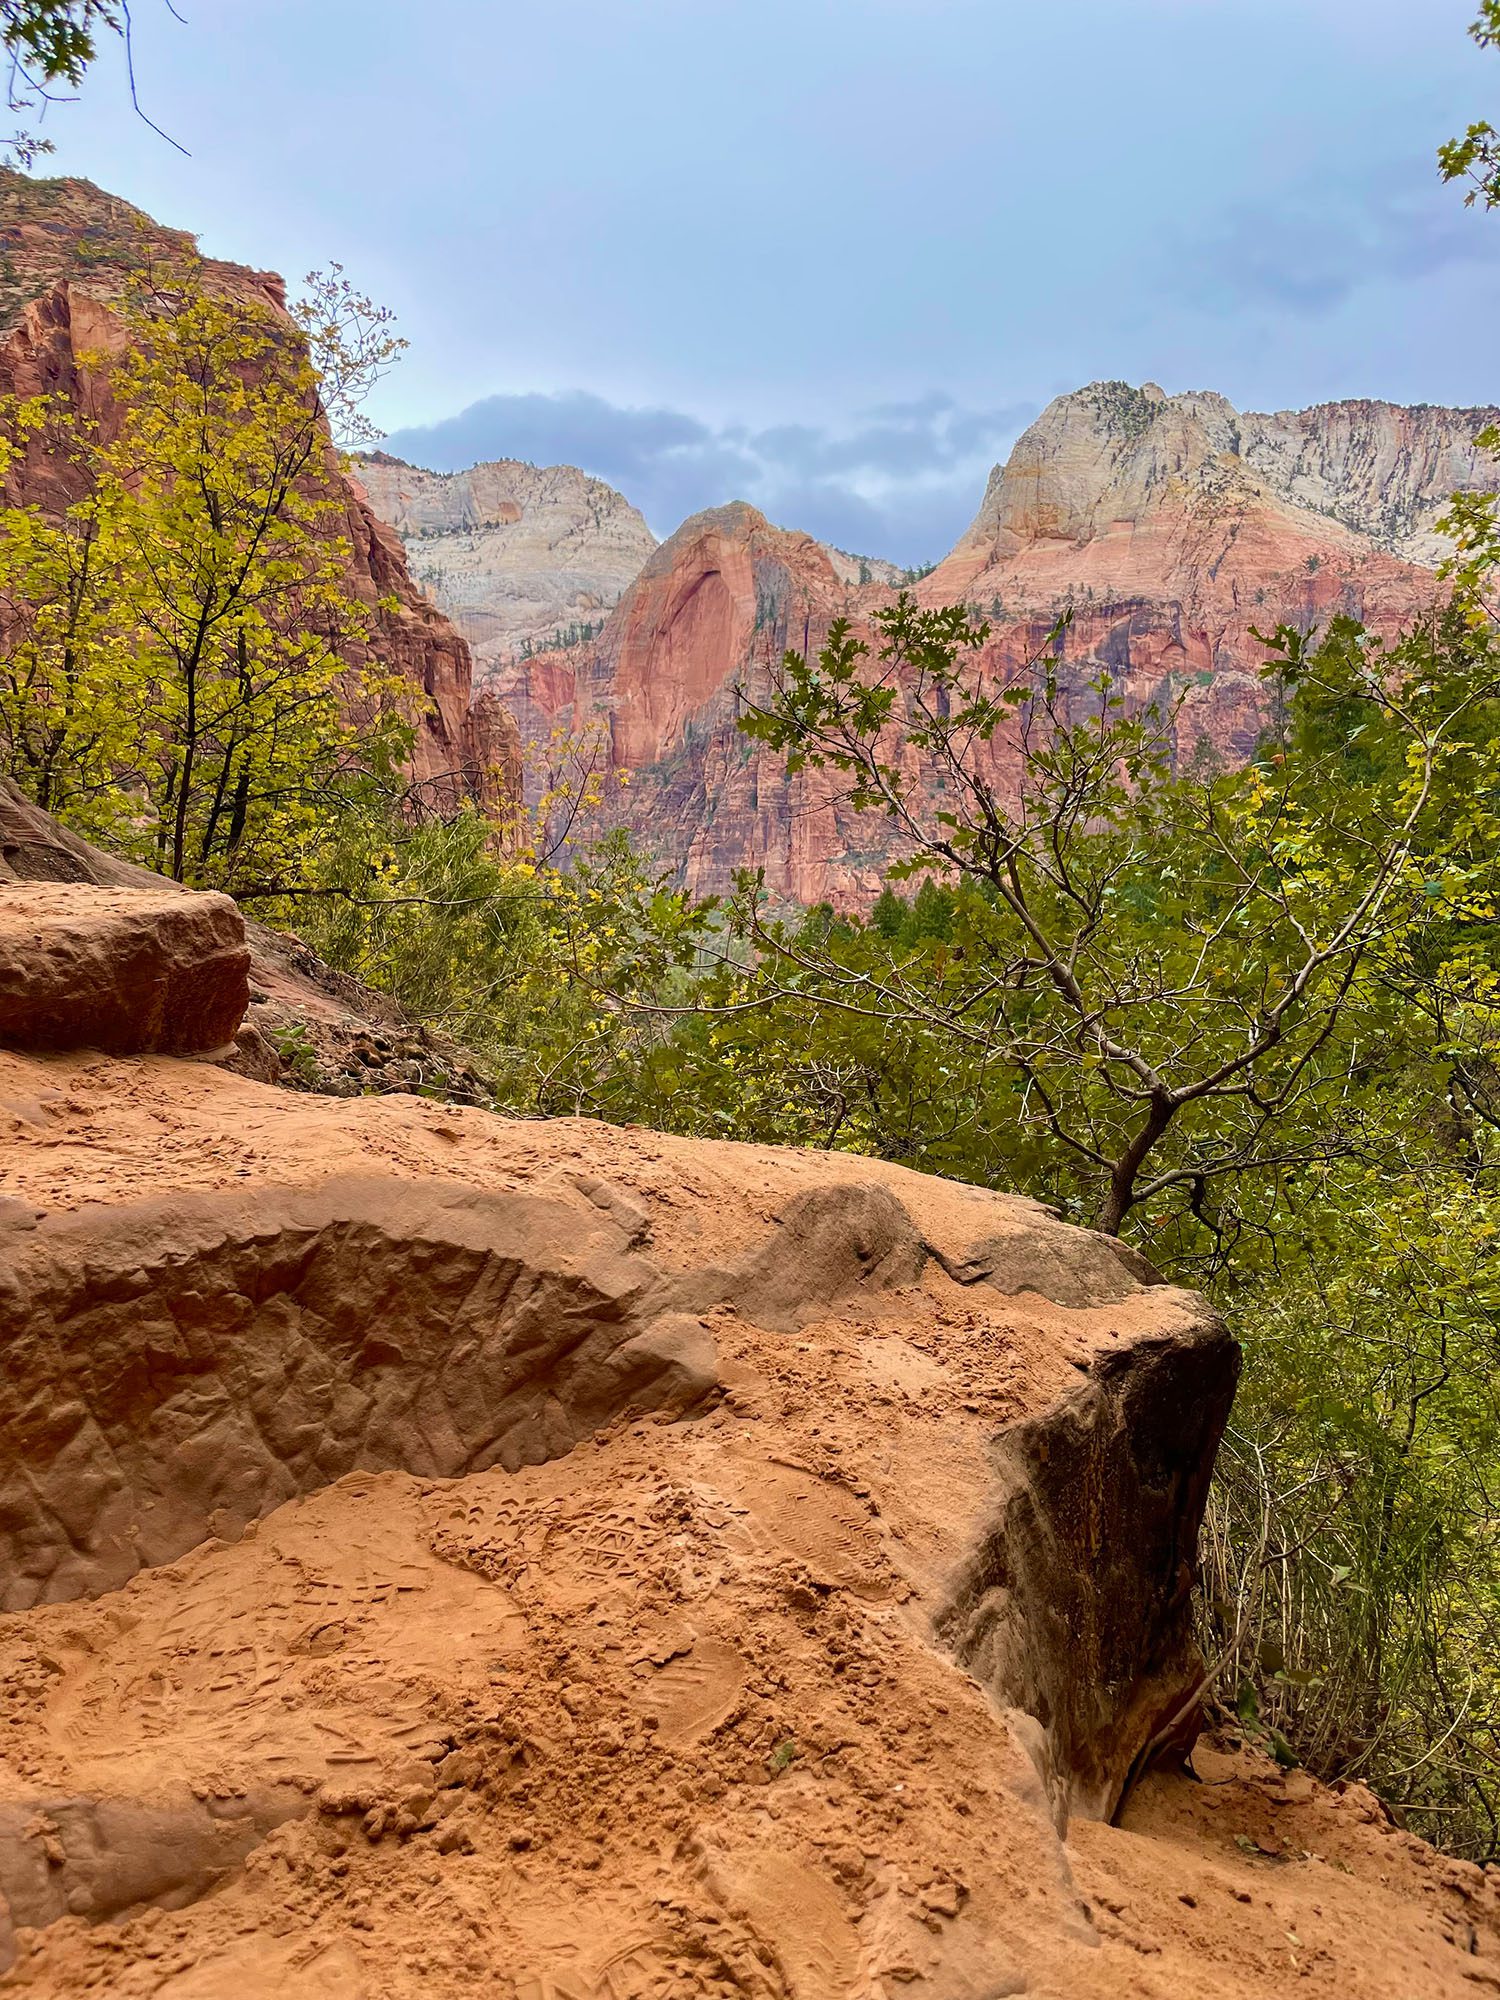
<point>552,1559</point>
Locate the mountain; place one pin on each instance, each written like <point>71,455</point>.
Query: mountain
<point>66,251</point>
<point>1129,491</point>
<point>524,557</point>
<point>515,554</point>
<point>1174,526</point>
<point>714,607</point>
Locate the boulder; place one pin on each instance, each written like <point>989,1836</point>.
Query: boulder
<point>443,1554</point>
<point>123,970</point>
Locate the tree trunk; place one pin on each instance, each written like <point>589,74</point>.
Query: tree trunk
<point>1126,1171</point>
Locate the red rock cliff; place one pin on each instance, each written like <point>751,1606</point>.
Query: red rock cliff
<point>65,250</point>
<point>1173,526</point>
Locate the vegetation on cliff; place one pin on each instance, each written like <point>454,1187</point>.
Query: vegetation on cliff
<point>178,677</point>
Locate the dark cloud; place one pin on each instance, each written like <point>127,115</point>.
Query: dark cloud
<point>1309,248</point>
<point>902,480</point>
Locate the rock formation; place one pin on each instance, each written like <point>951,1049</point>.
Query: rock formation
<point>523,556</point>
<point>1172,525</point>
<point>516,554</point>
<point>124,970</point>
<point>446,1554</point>
<point>306,1025</point>
<point>66,248</point>
<point>709,614</point>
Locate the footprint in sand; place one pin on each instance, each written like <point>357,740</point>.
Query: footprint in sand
<point>693,1693</point>
<point>799,1914</point>
<point>826,1526</point>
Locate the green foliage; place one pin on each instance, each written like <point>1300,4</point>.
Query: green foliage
<point>1475,157</point>
<point>300,1059</point>
<point>185,673</point>
<point>1351,1564</point>
<point>1172,976</point>
<point>55,40</point>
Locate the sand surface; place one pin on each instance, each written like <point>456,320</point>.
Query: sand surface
<point>666,1716</point>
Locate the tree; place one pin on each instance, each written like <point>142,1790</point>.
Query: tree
<point>1166,969</point>
<point>187,674</point>
<point>1473,519</point>
<point>1475,158</point>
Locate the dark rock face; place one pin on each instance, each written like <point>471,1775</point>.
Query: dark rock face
<point>1075,1608</point>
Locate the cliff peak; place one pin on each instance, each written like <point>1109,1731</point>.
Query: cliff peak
<point>1110,454</point>
<point>521,556</point>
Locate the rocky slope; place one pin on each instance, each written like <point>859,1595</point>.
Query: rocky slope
<point>1172,526</point>
<point>66,248</point>
<point>516,554</point>
<point>444,1554</point>
<point>306,1025</point>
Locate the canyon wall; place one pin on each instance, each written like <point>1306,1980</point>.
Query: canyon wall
<point>1173,526</point>
<point>516,554</point>
<point>66,253</point>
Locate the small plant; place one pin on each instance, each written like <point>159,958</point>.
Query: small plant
<point>298,1056</point>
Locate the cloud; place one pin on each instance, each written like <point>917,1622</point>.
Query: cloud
<point>901,480</point>
<point>1308,249</point>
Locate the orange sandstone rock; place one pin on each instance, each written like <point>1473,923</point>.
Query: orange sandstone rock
<point>123,970</point>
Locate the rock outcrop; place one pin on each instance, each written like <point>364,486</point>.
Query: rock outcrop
<point>694,636</point>
<point>517,555</point>
<point>442,1553</point>
<point>123,970</point>
<point>1173,527</point>
<point>66,248</point>
<point>307,1025</point>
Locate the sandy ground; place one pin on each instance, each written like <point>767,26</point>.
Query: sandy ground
<point>664,1717</point>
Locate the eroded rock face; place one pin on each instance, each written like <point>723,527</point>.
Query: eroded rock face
<point>67,248</point>
<point>1174,526</point>
<point>514,553</point>
<point>693,638</point>
<point>180,1367</point>
<point>443,1550</point>
<point>1092,1546</point>
<point>1102,464</point>
<point>123,970</point>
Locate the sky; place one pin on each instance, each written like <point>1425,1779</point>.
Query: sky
<point>828,256</point>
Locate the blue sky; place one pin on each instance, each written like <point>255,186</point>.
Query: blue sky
<point>828,255</point>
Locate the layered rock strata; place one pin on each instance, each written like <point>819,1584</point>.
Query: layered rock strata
<point>1173,529</point>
